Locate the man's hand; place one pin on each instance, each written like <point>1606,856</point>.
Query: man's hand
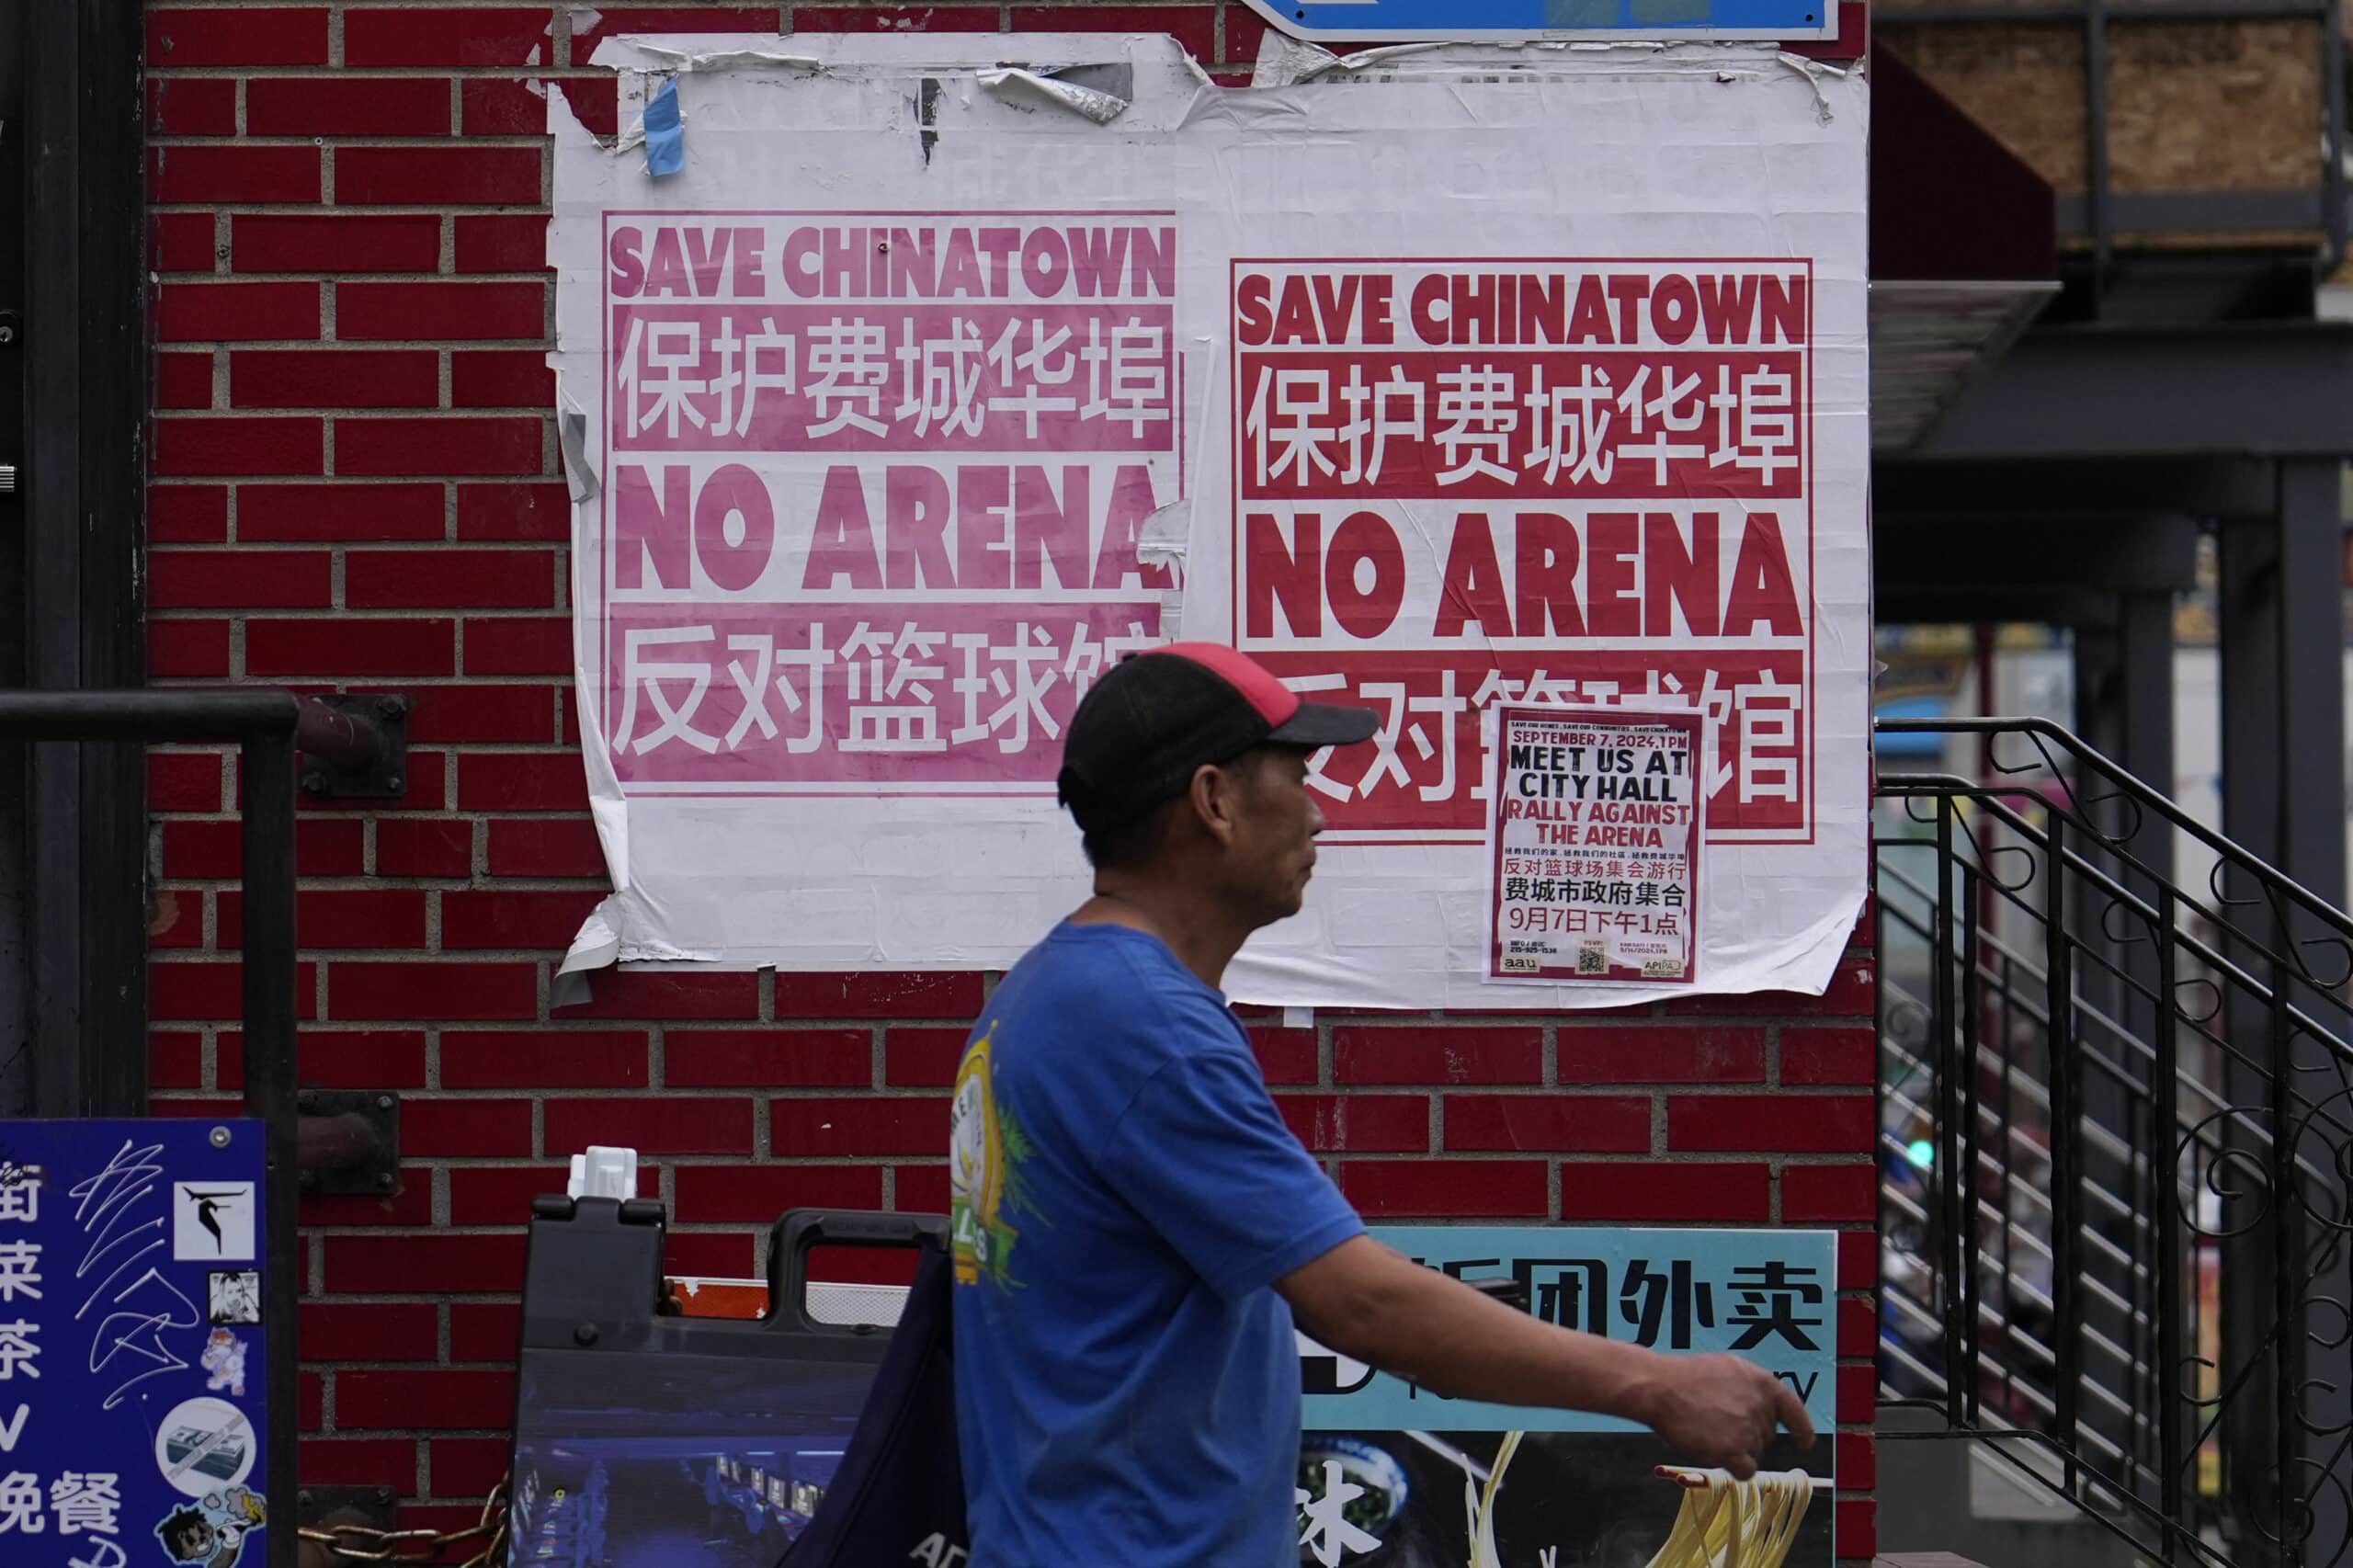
<point>1720,1410</point>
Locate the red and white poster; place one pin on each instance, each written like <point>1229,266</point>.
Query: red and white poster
<point>917,388</point>
<point>1464,482</point>
<point>1595,822</point>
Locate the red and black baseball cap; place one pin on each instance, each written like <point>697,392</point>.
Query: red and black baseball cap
<point>1156,717</point>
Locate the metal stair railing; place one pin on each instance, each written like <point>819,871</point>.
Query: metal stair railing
<point>2118,1141</point>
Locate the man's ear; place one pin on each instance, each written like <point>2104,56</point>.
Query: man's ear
<point>1212,798</point>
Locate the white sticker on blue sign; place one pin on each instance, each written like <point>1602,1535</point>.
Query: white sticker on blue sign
<point>205,1443</point>
<point>212,1221</point>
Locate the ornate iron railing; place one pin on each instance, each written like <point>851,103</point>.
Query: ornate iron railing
<point>2149,1085</point>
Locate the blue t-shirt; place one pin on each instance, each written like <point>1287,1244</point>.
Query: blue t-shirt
<point>1127,1385</point>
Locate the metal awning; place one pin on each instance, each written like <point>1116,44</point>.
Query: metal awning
<point>1930,339</point>
<point>1963,253</point>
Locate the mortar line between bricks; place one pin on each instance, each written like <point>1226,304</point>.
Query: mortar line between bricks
<point>515,71</point>
<point>330,141</point>
<point>237,208</point>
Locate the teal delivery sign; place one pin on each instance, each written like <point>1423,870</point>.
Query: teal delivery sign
<point>1768,1296</point>
<point>1394,1476</point>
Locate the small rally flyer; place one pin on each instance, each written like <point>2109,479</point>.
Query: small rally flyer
<point>1593,824</point>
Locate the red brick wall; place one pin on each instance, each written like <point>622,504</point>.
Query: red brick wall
<point>355,487</point>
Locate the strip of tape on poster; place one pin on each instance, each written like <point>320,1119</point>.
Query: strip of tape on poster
<point>132,1363</point>
<point>1394,1476</point>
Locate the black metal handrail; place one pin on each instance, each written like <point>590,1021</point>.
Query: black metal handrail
<point>2026,1000</point>
<point>264,722</point>
<point>2183,1059</point>
<point>2000,1443</point>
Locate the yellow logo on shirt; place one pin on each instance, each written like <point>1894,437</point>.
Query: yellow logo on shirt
<point>986,1149</point>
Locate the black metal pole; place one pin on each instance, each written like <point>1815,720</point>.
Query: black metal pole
<point>2097,194</point>
<point>179,713</point>
<point>2311,1399</point>
<point>2164,1139</point>
<point>2006,1154</point>
<point>2333,192</point>
<point>2255,736</point>
<point>2058,1003</point>
<point>269,973</point>
<point>1952,1183</point>
<point>1965,1170</point>
<point>2287,1259</point>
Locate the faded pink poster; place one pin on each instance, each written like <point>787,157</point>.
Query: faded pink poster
<point>873,488</point>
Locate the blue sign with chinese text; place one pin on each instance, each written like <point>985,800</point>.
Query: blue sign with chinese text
<point>1518,21</point>
<point>1768,1295</point>
<point>1392,1471</point>
<point>132,1361</point>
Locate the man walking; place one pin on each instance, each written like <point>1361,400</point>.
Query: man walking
<point>1136,1231</point>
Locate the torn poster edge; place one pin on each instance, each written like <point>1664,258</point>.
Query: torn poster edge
<point>636,51</point>
<point>572,441</point>
<point>682,62</point>
<point>633,135</point>
<point>1010,82</point>
<point>1814,70</point>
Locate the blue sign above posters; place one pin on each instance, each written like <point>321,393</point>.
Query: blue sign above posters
<point>1519,21</point>
<point>1394,1476</point>
<point>131,1366</point>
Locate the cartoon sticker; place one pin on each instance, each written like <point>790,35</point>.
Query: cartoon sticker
<point>224,1360</point>
<point>211,1531</point>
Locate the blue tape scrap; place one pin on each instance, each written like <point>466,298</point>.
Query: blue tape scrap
<point>666,132</point>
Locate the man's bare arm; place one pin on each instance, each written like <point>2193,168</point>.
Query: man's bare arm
<point>1366,1302</point>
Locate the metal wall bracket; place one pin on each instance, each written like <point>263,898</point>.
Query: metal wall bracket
<point>348,1141</point>
<point>353,747</point>
<point>364,1508</point>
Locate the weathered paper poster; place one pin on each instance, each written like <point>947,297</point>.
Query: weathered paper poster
<point>1597,824</point>
<point>906,387</point>
<point>1461,469</point>
<point>877,482</point>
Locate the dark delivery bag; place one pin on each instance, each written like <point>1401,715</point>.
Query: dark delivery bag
<point>899,1495</point>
